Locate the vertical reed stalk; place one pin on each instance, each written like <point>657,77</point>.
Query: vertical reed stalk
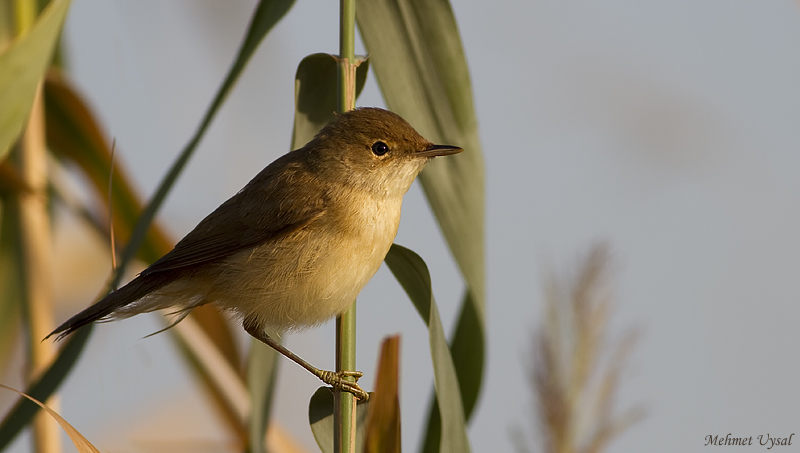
<point>36,249</point>
<point>344,403</point>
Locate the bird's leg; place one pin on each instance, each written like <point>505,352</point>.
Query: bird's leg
<point>332,378</point>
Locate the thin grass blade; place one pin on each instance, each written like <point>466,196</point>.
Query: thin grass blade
<point>75,135</point>
<point>265,16</point>
<point>23,411</point>
<point>81,443</point>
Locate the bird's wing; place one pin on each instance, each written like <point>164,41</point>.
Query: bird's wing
<point>272,205</point>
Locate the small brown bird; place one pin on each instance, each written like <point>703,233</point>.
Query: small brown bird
<point>297,244</point>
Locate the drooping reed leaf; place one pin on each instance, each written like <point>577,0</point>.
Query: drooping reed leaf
<point>415,51</point>
<point>412,273</point>
<point>22,66</point>
<point>419,62</point>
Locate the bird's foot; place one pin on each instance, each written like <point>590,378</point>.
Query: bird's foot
<point>336,379</point>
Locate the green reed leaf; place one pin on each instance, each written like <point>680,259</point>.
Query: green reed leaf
<point>22,66</point>
<point>412,273</point>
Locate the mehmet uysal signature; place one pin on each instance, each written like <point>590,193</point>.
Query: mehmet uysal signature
<point>761,439</point>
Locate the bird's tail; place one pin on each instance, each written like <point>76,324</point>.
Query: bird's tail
<point>138,288</point>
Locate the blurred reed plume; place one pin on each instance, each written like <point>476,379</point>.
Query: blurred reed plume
<point>575,372</point>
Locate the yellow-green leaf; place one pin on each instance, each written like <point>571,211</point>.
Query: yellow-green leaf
<point>22,66</point>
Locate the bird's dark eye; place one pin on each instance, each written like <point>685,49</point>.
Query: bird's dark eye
<point>380,148</point>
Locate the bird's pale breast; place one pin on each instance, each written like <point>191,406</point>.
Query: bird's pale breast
<point>313,274</point>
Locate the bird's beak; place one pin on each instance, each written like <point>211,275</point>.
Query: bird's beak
<point>438,150</point>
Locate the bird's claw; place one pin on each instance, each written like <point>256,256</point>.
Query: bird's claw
<point>336,379</point>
